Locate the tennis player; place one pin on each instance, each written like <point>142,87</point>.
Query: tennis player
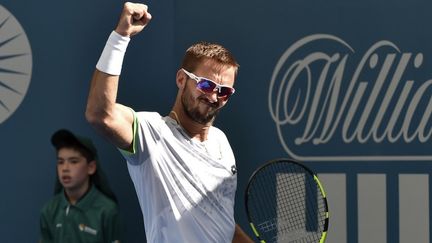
<point>182,167</point>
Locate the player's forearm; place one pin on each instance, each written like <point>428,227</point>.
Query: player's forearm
<point>104,84</point>
<point>102,97</point>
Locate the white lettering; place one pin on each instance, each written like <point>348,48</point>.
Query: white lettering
<point>310,92</point>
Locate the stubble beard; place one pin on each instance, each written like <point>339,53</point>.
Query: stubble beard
<point>194,114</point>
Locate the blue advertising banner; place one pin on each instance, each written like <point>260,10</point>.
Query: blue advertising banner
<point>342,86</point>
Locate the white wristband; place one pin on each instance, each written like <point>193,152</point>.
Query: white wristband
<point>111,59</point>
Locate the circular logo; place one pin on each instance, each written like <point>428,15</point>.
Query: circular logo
<point>15,64</point>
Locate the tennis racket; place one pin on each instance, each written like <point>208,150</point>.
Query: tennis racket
<point>285,202</point>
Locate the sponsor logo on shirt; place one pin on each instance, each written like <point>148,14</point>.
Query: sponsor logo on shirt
<point>87,229</point>
<point>233,169</point>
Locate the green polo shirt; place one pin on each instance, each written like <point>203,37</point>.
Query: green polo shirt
<point>93,219</point>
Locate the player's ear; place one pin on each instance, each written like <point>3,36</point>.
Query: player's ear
<point>181,79</point>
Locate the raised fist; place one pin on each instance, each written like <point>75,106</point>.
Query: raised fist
<point>133,19</point>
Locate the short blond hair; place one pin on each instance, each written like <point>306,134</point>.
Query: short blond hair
<point>201,51</point>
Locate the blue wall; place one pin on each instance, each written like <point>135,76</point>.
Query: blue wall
<point>67,38</point>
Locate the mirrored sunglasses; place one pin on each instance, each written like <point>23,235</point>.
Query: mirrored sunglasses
<point>209,86</point>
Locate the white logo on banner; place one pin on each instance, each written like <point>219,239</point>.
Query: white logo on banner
<point>331,103</point>
<point>15,64</point>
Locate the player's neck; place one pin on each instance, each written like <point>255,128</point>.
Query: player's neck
<point>194,129</point>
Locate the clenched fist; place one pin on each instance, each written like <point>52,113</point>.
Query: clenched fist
<point>133,19</point>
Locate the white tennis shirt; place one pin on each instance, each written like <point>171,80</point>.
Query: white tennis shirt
<point>185,188</point>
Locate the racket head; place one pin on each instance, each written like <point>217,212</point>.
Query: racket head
<point>286,202</point>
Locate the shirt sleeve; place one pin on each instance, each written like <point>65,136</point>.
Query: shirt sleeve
<point>134,131</point>
<point>146,133</point>
<point>132,156</point>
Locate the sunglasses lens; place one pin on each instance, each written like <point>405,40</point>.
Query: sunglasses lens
<point>225,91</point>
<point>206,86</point>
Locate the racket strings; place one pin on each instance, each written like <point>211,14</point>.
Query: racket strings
<point>295,218</point>
<point>287,204</point>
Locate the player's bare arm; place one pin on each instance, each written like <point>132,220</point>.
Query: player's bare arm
<point>109,118</point>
